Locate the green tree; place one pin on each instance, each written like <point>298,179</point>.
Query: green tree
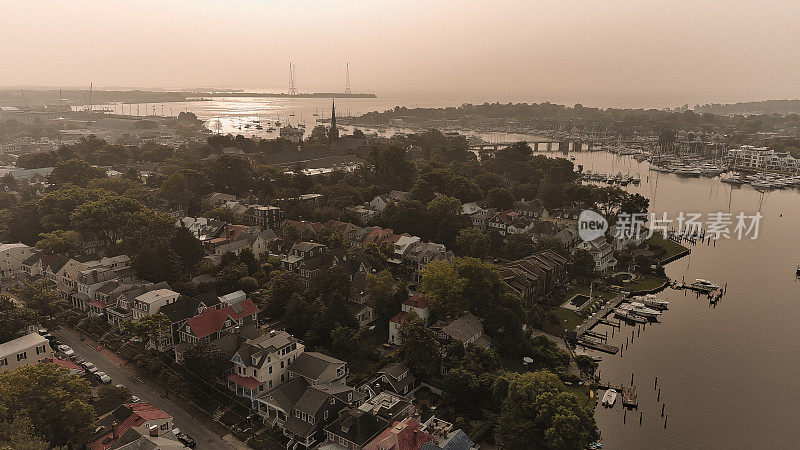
<point>582,265</point>
<point>283,285</point>
<point>382,291</point>
<point>75,171</point>
<point>106,218</point>
<point>473,242</point>
<point>14,319</point>
<point>537,412</point>
<point>44,301</point>
<point>57,206</point>
<point>119,392</point>
<point>148,328</point>
<point>158,262</point>
<point>206,361</point>
<point>444,287</point>
<point>500,198</point>
<point>18,434</point>
<point>66,242</point>
<point>55,402</point>
<point>418,346</point>
<point>188,248</point>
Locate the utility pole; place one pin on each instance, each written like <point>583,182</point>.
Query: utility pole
<point>347,89</point>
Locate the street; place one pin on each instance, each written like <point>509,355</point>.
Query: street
<point>205,438</point>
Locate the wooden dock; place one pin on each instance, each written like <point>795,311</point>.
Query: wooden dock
<point>613,349</point>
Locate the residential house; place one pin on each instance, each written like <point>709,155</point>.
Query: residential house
<point>354,429</point>
<point>119,302</point>
<point>263,363</point>
<point>602,252</point>
<point>394,377</point>
<point>150,302</point>
<point>12,257</point>
<point>387,405</point>
<point>466,329</point>
<point>532,210</point>
<point>568,236</point>
<point>213,324</point>
<point>30,349</point>
<point>183,309</point>
<point>264,216</point>
<point>623,240</point>
<point>215,200</point>
<point>405,435</point>
<point>318,368</point>
<point>444,436</point>
<point>417,304</point>
<point>142,416</point>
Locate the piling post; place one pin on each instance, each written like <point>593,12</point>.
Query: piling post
<point>640,418</point>
<point>662,409</point>
<point>665,420</point>
<point>659,395</point>
<point>631,378</point>
<point>625,416</point>
<point>655,384</point>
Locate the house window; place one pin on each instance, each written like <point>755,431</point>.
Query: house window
<point>3,362</point>
<point>349,396</point>
<point>165,426</point>
<point>326,415</point>
<point>270,384</point>
<point>261,388</point>
<point>40,349</point>
<point>270,369</point>
<point>281,364</point>
<point>21,356</point>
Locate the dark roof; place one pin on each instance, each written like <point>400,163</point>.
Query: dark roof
<point>287,394</point>
<point>357,426</point>
<point>186,306</point>
<point>316,366</point>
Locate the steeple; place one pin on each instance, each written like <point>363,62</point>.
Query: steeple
<point>333,132</point>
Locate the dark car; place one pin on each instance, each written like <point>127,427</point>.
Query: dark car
<point>186,440</point>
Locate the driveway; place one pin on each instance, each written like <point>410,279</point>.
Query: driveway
<point>206,439</point>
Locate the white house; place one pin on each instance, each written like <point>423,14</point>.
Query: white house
<point>263,363</point>
<point>601,251</point>
<point>12,257</point>
<point>418,305</point>
<point>30,349</point>
<point>149,303</point>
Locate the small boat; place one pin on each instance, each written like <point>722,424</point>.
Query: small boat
<point>624,312</point>
<point>705,284</point>
<point>642,310</point>
<point>652,301</point>
<point>609,398</point>
<point>636,179</point>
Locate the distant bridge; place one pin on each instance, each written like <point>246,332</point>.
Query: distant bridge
<point>537,145</point>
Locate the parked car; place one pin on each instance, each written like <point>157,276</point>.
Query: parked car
<point>66,350</point>
<point>186,440</point>
<point>135,399</point>
<point>90,367</point>
<point>54,344</point>
<point>102,377</point>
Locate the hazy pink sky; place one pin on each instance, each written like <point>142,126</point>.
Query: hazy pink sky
<point>607,52</point>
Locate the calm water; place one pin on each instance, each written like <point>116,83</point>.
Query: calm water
<point>728,374</point>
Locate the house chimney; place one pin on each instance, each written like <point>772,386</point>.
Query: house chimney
<point>114,430</point>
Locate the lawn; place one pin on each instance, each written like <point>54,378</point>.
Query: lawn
<point>671,248</point>
<point>583,394</point>
<point>569,319</point>
<point>645,283</point>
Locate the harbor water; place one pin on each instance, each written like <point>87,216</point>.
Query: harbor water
<point>727,373</point>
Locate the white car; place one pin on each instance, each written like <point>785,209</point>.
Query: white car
<point>68,352</point>
<point>102,377</point>
<point>90,368</point>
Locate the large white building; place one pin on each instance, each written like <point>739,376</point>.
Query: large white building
<point>23,351</point>
<point>763,158</point>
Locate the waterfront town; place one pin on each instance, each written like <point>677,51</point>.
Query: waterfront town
<point>325,268</point>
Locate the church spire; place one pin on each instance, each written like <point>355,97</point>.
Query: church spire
<point>333,132</point>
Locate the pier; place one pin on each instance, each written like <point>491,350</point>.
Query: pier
<point>588,338</point>
<point>630,398</point>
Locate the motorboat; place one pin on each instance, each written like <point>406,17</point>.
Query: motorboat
<point>705,284</point>
<point>652,301</point>
<point>609,398</point>
<point>642,310</point>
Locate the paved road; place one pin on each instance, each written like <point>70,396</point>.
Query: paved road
<point>206,439</point>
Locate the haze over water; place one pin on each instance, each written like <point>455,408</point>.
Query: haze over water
<point>728,374</point>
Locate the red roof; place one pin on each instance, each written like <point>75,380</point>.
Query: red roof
<point>140,413</point>
<point>248,382</point>
<point>417,301</point>
<point>403,435</point>
<point>212,320</point>
<point>399,317</point>
<point>99,304</point>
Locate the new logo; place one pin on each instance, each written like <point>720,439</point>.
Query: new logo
<point>591,225</point>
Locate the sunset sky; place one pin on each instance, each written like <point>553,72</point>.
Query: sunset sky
<point>608,53</point>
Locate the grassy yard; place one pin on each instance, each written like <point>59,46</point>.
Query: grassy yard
<point>644,283</point>
<point>671,248</point>
<point>583,394</point>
